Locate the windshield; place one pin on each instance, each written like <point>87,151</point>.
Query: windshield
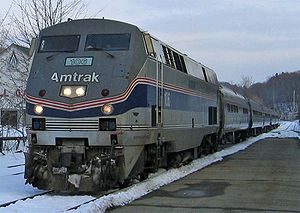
<point>107,42</point>
<point>67,43</point>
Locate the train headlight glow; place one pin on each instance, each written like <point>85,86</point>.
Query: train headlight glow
<point>72,91</point>
<point>107,109</point>
<point>80,91</point>
<point>67,91</point>
<point>38,109</point>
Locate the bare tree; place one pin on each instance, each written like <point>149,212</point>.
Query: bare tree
<point>246,81</point>
<point>14,62</point>
<point>25,23</point>
<point>6,89</point>
<point>4,28</point>
<point>35,15</point>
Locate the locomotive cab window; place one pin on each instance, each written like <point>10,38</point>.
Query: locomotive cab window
<point>149,45</point>
<point>107,42</point>
<point>66,43</point>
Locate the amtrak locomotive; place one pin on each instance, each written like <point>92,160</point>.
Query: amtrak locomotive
<point>108,102</point>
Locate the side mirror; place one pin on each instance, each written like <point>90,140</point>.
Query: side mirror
<point>32,46</point>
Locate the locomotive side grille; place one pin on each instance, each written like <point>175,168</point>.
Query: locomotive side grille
<point>71,125</point>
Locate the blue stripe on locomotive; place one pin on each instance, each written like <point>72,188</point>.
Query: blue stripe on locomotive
<point>141,96</point>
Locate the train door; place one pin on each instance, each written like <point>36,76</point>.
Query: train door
<point>157,109</point>
<point>250,115</point>
<point>221,115</point>
<point>159,93</point>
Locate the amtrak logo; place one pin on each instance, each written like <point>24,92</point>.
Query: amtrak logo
<point>75,77</point>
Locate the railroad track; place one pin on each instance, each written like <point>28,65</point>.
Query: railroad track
<point>298,132</point>
<point>17,165</point>
<point>285,129</point>
<point>24,198</point>
<point>293,129</point>
<point>18,173</point>
<point>98,196</point>
<point>93,199</point>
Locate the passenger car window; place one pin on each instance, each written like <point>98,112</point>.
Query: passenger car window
<point>66,43</point>
<point>111,42</point>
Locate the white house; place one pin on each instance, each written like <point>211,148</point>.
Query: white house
<point>14,63</point>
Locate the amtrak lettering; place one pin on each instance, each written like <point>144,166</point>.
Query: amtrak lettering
<point>75,77</point>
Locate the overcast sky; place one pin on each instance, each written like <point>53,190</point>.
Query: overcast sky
<point>236,38</point>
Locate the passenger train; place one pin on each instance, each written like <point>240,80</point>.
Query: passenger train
<point>107,102</point>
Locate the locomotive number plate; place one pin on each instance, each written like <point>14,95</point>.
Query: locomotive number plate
<point>80,61</point>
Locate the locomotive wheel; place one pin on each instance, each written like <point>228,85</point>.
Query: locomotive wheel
<point>125,183</point>
<point>174,160</point>
<point>207,148</point>
<point>144,176</point>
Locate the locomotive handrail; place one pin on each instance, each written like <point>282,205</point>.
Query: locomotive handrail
<point>11,138</point>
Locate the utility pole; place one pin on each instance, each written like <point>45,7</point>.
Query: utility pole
<point>273,94</point>
<point>299,108</point>
<point>294,101</point>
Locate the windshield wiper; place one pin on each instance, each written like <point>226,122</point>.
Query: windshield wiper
<point>51,57</point>
<point>100,49</point>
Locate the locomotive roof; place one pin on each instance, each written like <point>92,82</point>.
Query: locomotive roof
<point>231,93</point>
<point>88,26</point>
<point>91,21</point>
<point>194,67</point>
<point>234,97</point>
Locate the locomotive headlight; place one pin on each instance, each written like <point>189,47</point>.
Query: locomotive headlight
<point>38,109</point>
<point>80,91</point>
<point>67,91</point>
<point>72,91</point>
<point>107,109</point>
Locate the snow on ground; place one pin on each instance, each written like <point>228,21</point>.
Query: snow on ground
<point>286,130</point>
<point>5,132</point>
<point>12,186</point>
<point>10,132</point>
<point>46,203</point>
